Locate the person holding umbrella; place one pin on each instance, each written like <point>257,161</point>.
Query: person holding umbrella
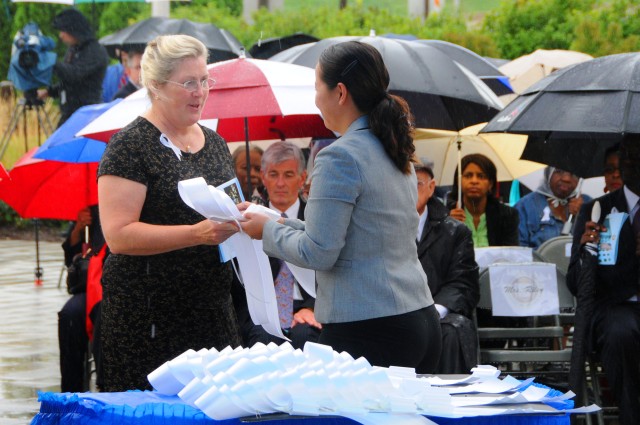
<point>165,287</point>
<point>491,223</point>
<point>611,171</point>
<point>545,212</point>
<point>372,300</point>
<point>612,321</point>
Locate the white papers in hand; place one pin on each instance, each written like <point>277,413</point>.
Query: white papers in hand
<point>215,204</point>
<point>209,201</point>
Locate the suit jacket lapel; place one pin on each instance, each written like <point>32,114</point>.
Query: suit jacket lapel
<point>428,238</point>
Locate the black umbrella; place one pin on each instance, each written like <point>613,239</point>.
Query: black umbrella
<point>441,93</point>
<point>481,67</point>
<point>222,44</point>
<point>264,49</point>
<point>573,115</point>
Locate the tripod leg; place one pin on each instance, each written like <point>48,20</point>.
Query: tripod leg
<point>38,270</point>
<point>45,122</point>
<point>11,128</point>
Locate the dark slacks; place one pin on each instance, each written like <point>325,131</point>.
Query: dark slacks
<point>616,332</point>
<point>73,341</point>
<point>401,340</point>
<point>459,346</point>
<point>298,335</point>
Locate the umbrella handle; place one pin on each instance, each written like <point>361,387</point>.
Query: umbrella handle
<point>459,142</point>
<point>568,225</point>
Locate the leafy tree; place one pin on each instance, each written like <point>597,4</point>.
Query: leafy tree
<point>610,28</point>
<point>520,26</point>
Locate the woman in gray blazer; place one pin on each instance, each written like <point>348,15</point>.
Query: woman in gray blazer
<point>360,222</point>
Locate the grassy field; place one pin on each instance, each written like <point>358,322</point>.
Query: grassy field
<point>19,144</point>
<point>396,6</point>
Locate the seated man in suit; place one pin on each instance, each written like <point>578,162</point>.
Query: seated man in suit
<point>283,176</point>
<point>614,318</point>
<point>132,70</point>
<point>445,250</point>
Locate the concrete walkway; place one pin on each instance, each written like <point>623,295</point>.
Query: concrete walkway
<point>29,359</point>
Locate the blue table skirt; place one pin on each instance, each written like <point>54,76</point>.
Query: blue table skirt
<point>151,408</point>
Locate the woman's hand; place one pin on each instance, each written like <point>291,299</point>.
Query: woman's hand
<point>592,232</point>
<point>243,205</point>
<point>254,224</point>
<point>575,204</point>
<point>458,214</point>
<point>209,232</point>
<point>305,315</point>
<point>83,220</point>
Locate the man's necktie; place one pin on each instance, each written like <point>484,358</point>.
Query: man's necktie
<point>284,293</point>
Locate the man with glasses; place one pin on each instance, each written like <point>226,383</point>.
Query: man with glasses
<point>283,175</point>
<point>543,213</point>
<point>445,250</point>
<point>613,320</point>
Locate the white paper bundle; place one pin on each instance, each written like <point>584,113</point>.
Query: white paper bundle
<point>265,379</point>
<point>255,272</point>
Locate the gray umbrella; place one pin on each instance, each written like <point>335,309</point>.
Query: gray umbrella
<point>481,67</point>
<point>222,44</point>
<point>441,93</point>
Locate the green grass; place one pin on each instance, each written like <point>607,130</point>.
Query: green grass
<point>395,6</point>
<point>473,6</point>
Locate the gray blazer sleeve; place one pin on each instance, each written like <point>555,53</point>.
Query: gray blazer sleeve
<point>317,243</point>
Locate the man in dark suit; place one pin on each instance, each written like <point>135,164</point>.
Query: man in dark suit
<point>445,250</point>
<point>283,176</point>
<point>615,320</point>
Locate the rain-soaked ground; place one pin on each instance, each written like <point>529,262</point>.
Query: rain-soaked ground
<point>29,359</point>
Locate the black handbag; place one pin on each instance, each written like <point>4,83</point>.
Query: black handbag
<point>77,273</point>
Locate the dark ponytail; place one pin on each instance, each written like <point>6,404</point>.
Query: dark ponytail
<point>359,66</point>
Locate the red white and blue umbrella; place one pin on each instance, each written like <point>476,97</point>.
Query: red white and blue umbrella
<point>252,99</point>
<point>63,145</point>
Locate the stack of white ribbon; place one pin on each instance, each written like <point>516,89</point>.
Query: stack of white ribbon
<point>316,381</point>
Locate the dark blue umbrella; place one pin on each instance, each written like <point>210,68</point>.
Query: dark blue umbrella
<point>63,145</point>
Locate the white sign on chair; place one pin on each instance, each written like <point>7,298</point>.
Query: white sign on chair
<point>525,289</point>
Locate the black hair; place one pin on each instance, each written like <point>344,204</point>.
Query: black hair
<point>486,165</point>
<point>359,66</point>
<point>611,150</point>
<point>424,168</point>
<point>73,22</point>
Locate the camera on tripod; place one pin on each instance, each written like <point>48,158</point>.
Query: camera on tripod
<point>31,67</point>
<point>32,59</point>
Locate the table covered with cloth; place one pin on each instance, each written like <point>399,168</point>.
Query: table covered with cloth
<point>152,408</point>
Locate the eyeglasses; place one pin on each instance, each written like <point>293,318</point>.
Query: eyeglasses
<point>192,85</point>
<point>610,169</point>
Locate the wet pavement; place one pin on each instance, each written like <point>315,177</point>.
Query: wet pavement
<point>29,360</point>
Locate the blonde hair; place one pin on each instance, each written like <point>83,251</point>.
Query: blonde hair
<point>163,55</point>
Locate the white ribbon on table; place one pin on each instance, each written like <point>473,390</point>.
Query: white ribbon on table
<point>316,381</point>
